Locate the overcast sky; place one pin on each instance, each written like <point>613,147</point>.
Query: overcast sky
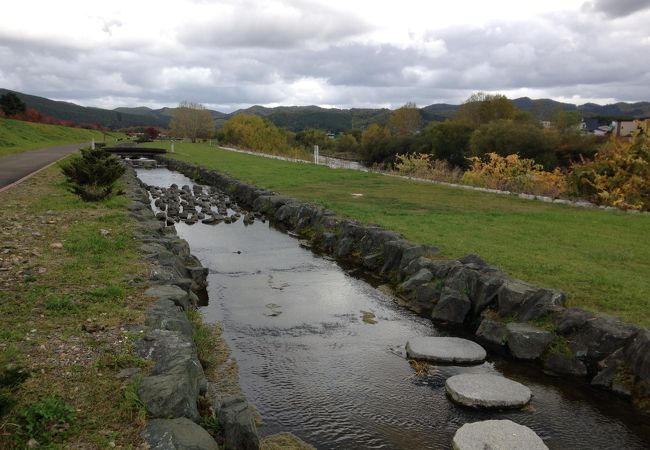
<point>229,54</point>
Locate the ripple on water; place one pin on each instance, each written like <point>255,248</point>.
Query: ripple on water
<point>319,371</point>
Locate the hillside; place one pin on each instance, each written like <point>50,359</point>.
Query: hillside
<point>17,136</point>
<point>297,118</point>
<point>84,115</point>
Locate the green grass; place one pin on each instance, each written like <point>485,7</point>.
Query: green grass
<point>63,325</point>
<point>601,259</point>
<point>18,136</point>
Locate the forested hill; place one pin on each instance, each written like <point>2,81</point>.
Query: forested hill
<point>85,115</point>
<point>297,118</point>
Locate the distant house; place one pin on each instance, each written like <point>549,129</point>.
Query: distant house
<point>625,128</point>
<point>545,124</point>
<point>589,124</point>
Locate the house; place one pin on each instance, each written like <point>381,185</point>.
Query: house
<point>589,124</point>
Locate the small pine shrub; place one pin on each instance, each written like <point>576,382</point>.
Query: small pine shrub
<point>92,175</point>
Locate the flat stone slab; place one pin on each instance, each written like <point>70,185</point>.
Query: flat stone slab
<point>496,434</point>
<point>445,350</point>
<point>487,391</point>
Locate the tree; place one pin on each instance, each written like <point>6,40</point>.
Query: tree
<point>506,137</point>
<point>450,141</point>
<point>312,136</point>
<point>151,133</point>
<point>405,120</point>
<point>11,104</point>
<point>255,133</point>
<point>481,108</point>
<point>566,121</point>
<point>346,143</point>
<point>192,120</point>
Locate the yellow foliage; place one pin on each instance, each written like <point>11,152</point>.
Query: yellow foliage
<point>512,173</point>
<point>619,175</point>
<point>423,166</point>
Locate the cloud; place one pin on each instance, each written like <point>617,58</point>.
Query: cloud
<point>617,8</point>
<point>236,53</point>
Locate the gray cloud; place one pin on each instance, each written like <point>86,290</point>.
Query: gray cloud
<point>617,8</point>
<point>560,56</point>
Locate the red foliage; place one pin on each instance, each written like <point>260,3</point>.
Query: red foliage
<point>151,132</point>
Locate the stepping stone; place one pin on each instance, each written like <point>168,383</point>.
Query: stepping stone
<point>445,350</point>
<point>487,391</point>
<point>496,434</point>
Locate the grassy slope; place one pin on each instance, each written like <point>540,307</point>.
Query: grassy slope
<point>47,294</point>
<point>599,258</point>
<point>18,136</point>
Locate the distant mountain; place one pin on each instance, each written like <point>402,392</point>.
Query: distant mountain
<point>297,118</point>
<point>84,115</point>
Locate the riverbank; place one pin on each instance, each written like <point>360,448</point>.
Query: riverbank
<point>71,285</point>
<point>510,316</point>
<point>598,258</point>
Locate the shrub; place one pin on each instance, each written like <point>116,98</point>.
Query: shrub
<point>423,166</point>
<point>92,175</point>
<point>516,174</point>
<point>619,175</point>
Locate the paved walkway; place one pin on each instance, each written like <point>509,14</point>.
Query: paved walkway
<point>13,168</point>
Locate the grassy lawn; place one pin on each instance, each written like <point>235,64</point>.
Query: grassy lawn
<point>18,136</point>
<point>601,259</point>
<point>66,287</point>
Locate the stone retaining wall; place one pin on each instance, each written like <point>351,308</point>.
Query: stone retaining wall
<point>172,390</point>
<point>507,315</point>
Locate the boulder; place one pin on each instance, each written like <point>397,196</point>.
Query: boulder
<point>416,280</point>
<point>170,292</point>
<point>561,364</point>
<point>487,391</point>
<point>445,350</point>
<point>239,429</point>
<point>637,355</point>
<point>177,434</point>
<point>601,336</point>
<point>169,396</point>
<point>496,434</point>
<point>527,341</point>
<point>492,332</point>
<point>525,302</point>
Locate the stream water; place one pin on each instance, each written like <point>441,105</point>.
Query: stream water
<point>312,366</point>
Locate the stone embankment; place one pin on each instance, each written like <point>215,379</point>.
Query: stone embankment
<point>506,315</point>
<point>171,392</point>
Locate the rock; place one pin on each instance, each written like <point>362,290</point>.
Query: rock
<point>452,306</point>
<point>608,370</point>
<point>239,429</point>
<point>496,434</point>
<point>637,355</point>
<point>169,396</point>
<point>525,302</point>
<point>128,373</point>
<point>527,341</point>
<point>56,245</point>
<point>600,337</point>
<point>487,391</point>
<point>170,292</point>
<point>344,247</point>
<point>33,443</point>
<point>445,350</point>
<point>492,332</point>
<point>421,277</point>
<point>564,364</point>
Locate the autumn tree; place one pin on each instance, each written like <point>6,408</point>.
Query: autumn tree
<point>405,120</point>
<point>192,120</point>
<point>11,104</point>
<point>481,108</point>
<point>255,133</point>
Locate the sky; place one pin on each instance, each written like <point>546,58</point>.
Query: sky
<point>231,54</point>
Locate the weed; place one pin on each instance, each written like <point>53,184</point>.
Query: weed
<point>59,304</point>
<point>47,420</point>
<point>111,292</point>
<point>132,406</point>
<point>561,346</point>
<point>212,424</point>
<point>421,367</point>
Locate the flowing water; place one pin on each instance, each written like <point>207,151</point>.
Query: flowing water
<point>312,366</point>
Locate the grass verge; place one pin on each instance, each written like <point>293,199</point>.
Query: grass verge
<point>66,290</point>
<point>17,136</point>
<point>600,259</point>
